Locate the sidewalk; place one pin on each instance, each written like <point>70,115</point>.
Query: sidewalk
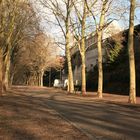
<point>108,97</point>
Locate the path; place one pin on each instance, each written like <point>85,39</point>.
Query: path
<point>99,119</point>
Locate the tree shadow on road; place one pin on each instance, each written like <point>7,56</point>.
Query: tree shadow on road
<point>25,115</point>
<point>101,118</point>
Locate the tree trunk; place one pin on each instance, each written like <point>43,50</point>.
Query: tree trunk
<point>83,71</point>
<point>83,76</point>
<point>6,72</point>
<point>1,64</point>
<point>99,44</point>
<point>50,78</point>
<point>132,91</point>
<point>100,69</point>
<point>11,79</point>
<point>41,78</point>
<point>68,86</point>
<point>70,74</point>
<point>38,79</point>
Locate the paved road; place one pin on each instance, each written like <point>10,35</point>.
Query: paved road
<point>98,119</point>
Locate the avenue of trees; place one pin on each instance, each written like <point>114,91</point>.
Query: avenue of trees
<point>26,52</point>
<point>74,19</point>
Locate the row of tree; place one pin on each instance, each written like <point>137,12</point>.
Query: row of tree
<point>75,18</point>
<point>25,51</point>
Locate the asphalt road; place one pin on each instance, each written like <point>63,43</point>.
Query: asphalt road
<point>100,120</point>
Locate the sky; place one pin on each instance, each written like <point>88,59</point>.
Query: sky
<point>55,32</point>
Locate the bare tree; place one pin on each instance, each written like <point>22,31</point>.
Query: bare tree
<point>99,38</point>
<point>80,25</point>
<point>34,57</point>
<point>99,31</point>
<point>61,10</point>
<point>16,19</point>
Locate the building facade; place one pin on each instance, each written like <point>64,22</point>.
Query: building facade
<point>91,51</point>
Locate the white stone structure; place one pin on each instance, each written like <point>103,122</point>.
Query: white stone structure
<point>91,49</point>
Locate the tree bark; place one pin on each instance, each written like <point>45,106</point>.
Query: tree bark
<point>132,90</point>
<point>11,79</point>
<point>83,76</point>
<point>50,77</point>
<point>83,71</point>
<point>38,79</point>
<point>1,64</point>
<point>70,73</point>
<point>6,72</point>
<point>99,45</point>
<point>100,69</point>
<point>41,78</point>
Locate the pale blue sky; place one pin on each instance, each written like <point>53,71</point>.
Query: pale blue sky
<point>55,31</point>
<point>123,22</point>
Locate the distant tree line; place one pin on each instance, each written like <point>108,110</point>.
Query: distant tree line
<point>25,51</point>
